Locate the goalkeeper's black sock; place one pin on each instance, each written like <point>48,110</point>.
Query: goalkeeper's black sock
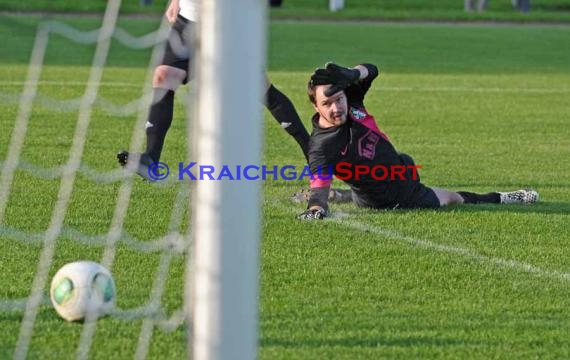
<point>284,112</point>
<point>159,120</point>
<point>473,198</point>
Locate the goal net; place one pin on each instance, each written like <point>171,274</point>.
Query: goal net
<point>174,247</point>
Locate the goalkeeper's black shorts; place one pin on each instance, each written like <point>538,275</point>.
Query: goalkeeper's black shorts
<point>413,195</point>
<point>409,194</point>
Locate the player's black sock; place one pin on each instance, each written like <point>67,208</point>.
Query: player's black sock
<point>159,120</point>
<point>284,112</point>
<point>472,198</point>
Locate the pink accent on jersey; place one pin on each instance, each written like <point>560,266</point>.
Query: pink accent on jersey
<point>360,115</point>
<point>367,144</point>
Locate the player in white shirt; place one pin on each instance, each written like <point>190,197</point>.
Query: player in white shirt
<point>173,71</point>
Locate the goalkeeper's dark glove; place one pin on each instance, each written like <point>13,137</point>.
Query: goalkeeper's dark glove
<point>313,214</point>
<point>340,77</point>
<point>321,77</point>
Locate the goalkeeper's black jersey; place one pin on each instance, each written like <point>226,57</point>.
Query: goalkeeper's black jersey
<point>357,142</point>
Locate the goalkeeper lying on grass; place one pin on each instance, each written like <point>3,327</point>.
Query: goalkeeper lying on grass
<point>347,142</point>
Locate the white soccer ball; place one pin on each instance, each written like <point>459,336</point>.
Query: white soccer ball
<point>82,287</point>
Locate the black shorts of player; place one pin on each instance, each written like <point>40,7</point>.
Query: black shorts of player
<point>417,197</point>
<point>178,52</point>
<point>410,194</point>
<point>420,197</point>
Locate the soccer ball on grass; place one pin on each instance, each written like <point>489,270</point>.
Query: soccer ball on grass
<point>82,287</point>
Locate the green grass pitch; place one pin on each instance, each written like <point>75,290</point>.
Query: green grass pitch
<point>479,107</point>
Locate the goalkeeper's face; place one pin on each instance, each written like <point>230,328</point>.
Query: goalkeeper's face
<point>332,109</point>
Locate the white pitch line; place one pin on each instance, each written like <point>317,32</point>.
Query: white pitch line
<point>442,248</point>
<point>343,218</point>
<point>474,89</point>
<point>73,83</point>
<point>379,88</point>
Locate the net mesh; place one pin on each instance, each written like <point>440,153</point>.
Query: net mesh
<point>68,179</point>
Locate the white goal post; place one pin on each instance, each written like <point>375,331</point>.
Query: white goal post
<point>227,130</point>
<point>335,5</point>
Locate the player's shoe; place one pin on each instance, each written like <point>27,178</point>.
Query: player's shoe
<point>525,196</point>
<point>335,196</point>
<point>144,162</point>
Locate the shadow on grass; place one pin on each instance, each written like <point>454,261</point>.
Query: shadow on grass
<point>561,208</point>
<point>546,207</point>
<point>358,342</point>
<point>538,208</point>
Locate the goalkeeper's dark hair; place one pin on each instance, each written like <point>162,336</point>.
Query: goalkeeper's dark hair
<point>311,92</point>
